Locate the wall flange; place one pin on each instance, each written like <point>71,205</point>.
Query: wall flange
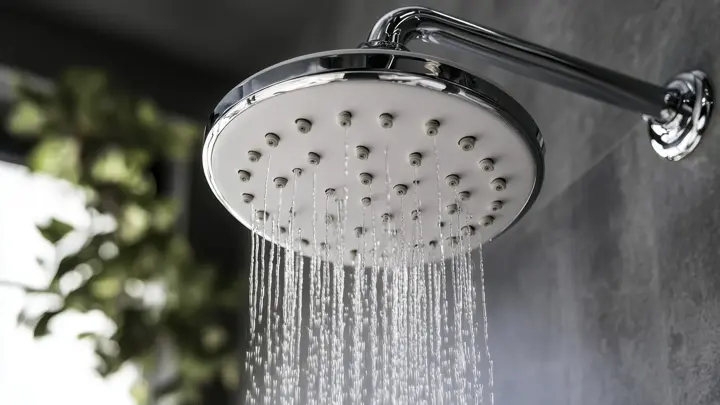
<point>679,135</point>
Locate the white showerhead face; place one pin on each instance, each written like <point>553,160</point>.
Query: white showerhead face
<point>413,129</point>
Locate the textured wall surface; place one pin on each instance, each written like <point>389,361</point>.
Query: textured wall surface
<point>609,291</point>
<point>609,295</point>
<point>613,298</point>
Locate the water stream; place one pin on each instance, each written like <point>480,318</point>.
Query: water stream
<point>399,326</point>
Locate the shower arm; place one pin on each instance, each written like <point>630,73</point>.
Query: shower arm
<point>677,114</point>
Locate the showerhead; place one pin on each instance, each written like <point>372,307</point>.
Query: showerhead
<point>379,158</point>
<point>404,120</point>
<point>397,142</point>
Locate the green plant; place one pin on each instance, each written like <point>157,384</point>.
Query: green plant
<point>106,142</point>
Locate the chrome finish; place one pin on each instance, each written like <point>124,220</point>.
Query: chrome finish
<point>303,126</point>
<point>313,158</point>
<point>406,24</point>
<point>244,175</point>
<point>272,140</point>
<point>495,206</point>
<point>280,182</point>
<point>415,215</point>
<point>254,156</point>
<point>468,230</point>
<point>398,67</point>
<point>467,143</point>
<point>400,189</point>
<point>487,165</point>
<point>386,121</point>
<point>452,180</point>
<point>498,184</point>
<point>345,119</point>
<point>415,159</point>
<point>432,127</point>
<point>365,179</point>
<point>678,137</point>
<point>362,152</point>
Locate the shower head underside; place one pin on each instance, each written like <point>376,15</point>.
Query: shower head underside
<point>390,112</point>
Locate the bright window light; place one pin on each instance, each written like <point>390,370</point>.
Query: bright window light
<point>59,368</point>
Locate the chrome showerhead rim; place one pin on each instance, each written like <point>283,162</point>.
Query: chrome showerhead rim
<point>394,66</point>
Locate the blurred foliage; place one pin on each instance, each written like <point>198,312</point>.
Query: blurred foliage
<point>106,142</point>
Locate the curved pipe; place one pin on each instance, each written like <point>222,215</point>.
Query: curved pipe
<point>403,25</point>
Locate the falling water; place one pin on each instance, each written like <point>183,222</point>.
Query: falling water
<point>372,315</point>
<point>387,378</point>
<point>313,328</point>
<point>325,320</point>
<point>338,310</point>
<point>421,326</point>
<point>263,269</point>
<point>403,331</point>
<point>446,388</point>
<point>273,332</point>
<point>358,318</point>
<point>491,377</point>
<point>251,360</point>
<point>401,300</point>
<point>460,372</point>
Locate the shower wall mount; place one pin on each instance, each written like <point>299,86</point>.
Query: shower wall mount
<point>409,141</point>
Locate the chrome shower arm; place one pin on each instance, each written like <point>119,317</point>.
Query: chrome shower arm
<point>677,113</point>
<point>516,55</point>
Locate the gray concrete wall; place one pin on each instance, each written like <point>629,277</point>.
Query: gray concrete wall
<point>609,295</point>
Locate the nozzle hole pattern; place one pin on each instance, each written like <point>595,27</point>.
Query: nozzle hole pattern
<point>411,108</point>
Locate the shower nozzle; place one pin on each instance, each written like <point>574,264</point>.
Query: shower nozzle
<point>303,125</point>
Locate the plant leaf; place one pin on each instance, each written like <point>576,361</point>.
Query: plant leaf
<point>58,156</point>
<point>41,328</point>
<point>22,318</point>
<point>140,391</point>
<point>147,114</point>
<point>67,264</point>
<point>182,135</point>
<point>55,230</point>
<point>106,288</point>
<point>229,373</point>
<point>26,118</point>
<point>164,214</point>
<point>87,335</point>
<point>167,387</point>
<point>23,287</point>
<point>134,223</point>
